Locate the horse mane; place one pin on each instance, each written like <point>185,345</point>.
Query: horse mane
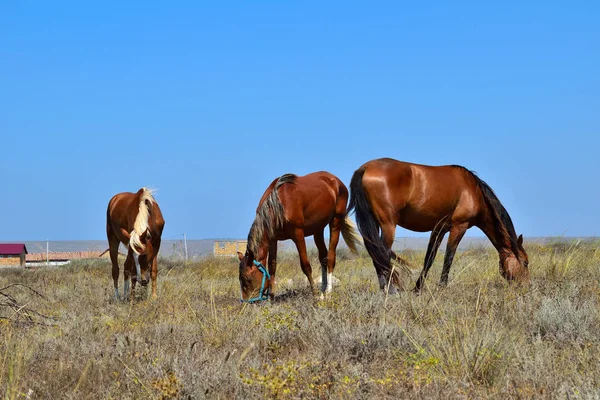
<point>141,220</point>
<point>504,223</point>
<point>269,215</point>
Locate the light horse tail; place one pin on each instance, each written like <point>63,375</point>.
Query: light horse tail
<point>369,227</point>
<point>350,235</point>
<point>270,215</point>
<point>141,223</point>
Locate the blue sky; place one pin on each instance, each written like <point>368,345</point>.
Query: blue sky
<point>210,102</point>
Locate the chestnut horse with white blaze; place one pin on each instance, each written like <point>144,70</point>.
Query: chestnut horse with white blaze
<point>294,207</point>
<point>135,220</point>
<point>441,199</point>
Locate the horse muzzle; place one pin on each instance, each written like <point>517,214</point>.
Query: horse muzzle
<point>144,282</point>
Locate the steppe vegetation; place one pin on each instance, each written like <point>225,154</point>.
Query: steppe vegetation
<point>478,338</point>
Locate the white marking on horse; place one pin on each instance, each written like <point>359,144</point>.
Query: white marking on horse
<point>329,282</point>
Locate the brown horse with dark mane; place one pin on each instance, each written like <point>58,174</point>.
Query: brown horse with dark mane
<point>135,220</point>
<point>294,207</point>
<point>440,199</point>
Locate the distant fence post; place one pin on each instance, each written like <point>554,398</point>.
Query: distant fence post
<point>185,247</point>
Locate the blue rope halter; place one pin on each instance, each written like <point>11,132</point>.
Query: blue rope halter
<point>264,294</point>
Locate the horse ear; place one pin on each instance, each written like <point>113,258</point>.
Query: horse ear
<point>520,240</point>
<point>250,257</point>
<point>240,255</point>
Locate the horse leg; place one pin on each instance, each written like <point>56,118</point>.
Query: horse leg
<point>334,236</point>
<point>320,243</point>
<point>437,235</point>
<point>298,239</point>
<point>456,234</point>
<point>135,275</point>
<point>272,265</point>
<point>386,275</point>
<point>113,245</point>
<point>127,277</point>
<point>153,275</point>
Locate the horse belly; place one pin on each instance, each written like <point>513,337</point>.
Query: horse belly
<point>418,220</point>
<point>288,232</point>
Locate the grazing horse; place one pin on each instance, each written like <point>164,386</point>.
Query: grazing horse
<point>294,207</point>
<point>441,199</point>
<point>135,220</point>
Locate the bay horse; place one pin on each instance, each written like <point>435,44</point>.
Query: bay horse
<point>135,220</point>
<point>294,207</point>
<point>441,199</point>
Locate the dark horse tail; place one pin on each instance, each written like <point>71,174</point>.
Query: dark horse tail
<point>369,227</point>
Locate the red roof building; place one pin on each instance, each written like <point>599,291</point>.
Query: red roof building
<point>12,254</point>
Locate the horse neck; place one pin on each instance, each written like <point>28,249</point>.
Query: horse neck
<point>261,244</point>
<point>499,237</point>
<point>262,253</point>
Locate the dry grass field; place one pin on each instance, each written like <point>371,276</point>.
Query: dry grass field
<point>478,338</point>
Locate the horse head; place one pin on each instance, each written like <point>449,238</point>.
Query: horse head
<point>254,278</point>
<point>515,265</point>
<point>144,253</point>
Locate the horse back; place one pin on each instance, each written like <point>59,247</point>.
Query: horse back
<point>417,195</point>
<point>314,199</point>
<point>122,211</point>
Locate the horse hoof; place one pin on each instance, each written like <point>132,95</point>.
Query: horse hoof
<point>391,290</point>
